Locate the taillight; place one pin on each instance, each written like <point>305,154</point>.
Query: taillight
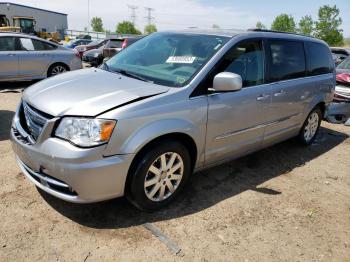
<point>125,43</point>
<point>77,54</point>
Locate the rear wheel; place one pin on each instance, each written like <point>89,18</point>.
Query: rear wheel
<point>159,175</point>
<point>57,69</point>
<point>310,127</point>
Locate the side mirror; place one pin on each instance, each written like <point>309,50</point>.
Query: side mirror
<point>227,81</point>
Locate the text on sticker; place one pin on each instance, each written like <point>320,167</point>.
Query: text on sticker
<point>181,59</point>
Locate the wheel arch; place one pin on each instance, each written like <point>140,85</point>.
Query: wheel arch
<point>186,140</point>
<point>316,102</point>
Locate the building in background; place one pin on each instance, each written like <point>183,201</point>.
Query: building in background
<point>45,20</point>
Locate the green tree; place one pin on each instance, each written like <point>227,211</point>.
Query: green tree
<point>127,27</point>
<point>149,29</point>
<point>284,23</point>
<point>260,25</point>
<point>328,25</point>
<point>306,25</point>
<point>96,24</point>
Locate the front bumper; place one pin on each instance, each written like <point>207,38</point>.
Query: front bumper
<point>70,173</point>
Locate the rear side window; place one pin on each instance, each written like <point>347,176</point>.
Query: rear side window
<point>287,60</point>
<point>7,43</point>
<point>42,46</point>
<point>27,44</point>
<point>319,59</point>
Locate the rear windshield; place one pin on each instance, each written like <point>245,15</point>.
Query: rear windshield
<point>115,43</point>
<point>345,64</point>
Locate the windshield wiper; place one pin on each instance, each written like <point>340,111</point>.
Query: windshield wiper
<point>127,73</point>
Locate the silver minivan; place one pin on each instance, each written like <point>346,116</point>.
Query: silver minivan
<point>171,104</point>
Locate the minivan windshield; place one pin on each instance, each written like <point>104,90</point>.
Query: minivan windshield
<point>170,59</point>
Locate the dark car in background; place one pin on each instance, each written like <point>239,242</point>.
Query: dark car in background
<point>339,54</point>
<point>112,47</point>
<point>344,67</point>
<point>76,42</point>
<point>95,57</point>
<point>119,44</point>
<point>93,45</point>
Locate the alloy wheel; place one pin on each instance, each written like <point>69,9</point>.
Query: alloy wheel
<point>164,176</point>
<point>58,70</point>
<point>311,127</point>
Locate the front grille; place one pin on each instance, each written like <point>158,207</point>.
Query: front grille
<point>32,120</point>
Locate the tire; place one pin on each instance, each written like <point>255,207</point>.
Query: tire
<point>57,69</point>
<point>152,186</point>
<point>311,126</point>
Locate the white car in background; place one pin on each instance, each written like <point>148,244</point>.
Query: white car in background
<point>25,57</point>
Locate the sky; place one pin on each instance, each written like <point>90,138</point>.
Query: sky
<point>180,14</point>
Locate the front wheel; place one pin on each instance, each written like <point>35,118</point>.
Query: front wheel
<point>310,127</point>
<point>159,175</point>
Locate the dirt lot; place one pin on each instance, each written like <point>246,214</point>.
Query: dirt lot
<point>285,203</point>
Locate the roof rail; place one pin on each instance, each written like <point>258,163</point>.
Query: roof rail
<point>274,31</point>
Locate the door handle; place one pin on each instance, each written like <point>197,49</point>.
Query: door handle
<point>262,97</point>
<point>280,93</point>
<point>11,54</point>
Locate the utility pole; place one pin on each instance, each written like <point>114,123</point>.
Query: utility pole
<point>132,9</point>
<point>149,16</point>
<point>88,25</point>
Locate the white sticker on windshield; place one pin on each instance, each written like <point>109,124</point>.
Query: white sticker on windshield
<point>181,59</point>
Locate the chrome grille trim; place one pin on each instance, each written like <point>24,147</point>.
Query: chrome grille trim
<point>35,122</point>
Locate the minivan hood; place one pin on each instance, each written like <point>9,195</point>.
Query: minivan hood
<point>87,92</point>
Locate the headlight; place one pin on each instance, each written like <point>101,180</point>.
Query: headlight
<point>85,132</point>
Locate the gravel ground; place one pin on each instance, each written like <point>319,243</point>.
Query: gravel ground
<point>284,203</point>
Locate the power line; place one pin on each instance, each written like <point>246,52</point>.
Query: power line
<point>149,16</point>
<point>132,9</point>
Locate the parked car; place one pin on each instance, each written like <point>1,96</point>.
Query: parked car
<point>339,54</point>
<point>25,57</point>
<point>342,89</point>
<point>339,111</point>
<point>171,104</point>
<point>344,67</point>
<point>93,45</point>
<point>110,47</point>
<point>93,57</point>
<point>115,46</point>
<point>76,42</point>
